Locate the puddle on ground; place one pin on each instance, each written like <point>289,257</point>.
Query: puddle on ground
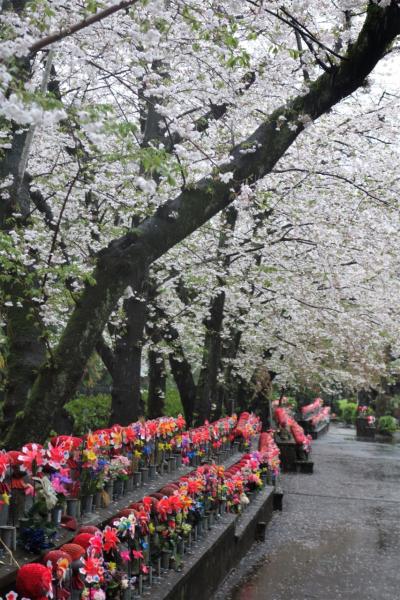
<point>328,566</point>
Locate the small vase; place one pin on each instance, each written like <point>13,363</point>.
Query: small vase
<point>98,500</point>
<point>118,488</point>
<point>8,535</point>
<point>140,584</point>
<point>165,559</point>
<point>211,519</point>
<point>152,471</point>
<point>178,458</point>
<point>109,488</point>
<point>56,515</point>
<point>73,507</point>
<point>206,524</point>
<point>23,523</point>
<point>87,504</point>
<point>181,547</point>
<point>137,479</point>
<point>145,474</point>
<point>222,507</point>
<point>17,506</point>
<point>129,485</point>
<point>4,514</point>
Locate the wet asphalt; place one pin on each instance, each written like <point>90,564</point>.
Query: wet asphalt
<point>338,537</point>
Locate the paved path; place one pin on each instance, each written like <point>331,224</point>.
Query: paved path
<point>338,537</point>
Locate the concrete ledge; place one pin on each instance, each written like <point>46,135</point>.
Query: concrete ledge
<point>305,466</point>
<point>288,450</point>
<point>217,554</point>
<point>315,433</point>
<point>203,569</point>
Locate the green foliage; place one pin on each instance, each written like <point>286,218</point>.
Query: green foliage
<point>89,412</point>
<point>387,424</point>
<point>393,404</point>
<point>173,404</point>
<point>347,410</point>
<point>292,402</point>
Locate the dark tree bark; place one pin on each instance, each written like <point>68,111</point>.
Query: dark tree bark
<point>183,376</point>
<point>207,386</point>
<point>26,347</point>
<point>261,385</point>
<point>228,390</point>
<point>179,365</point>
<point>127,405</point>
<point>124,259</point>
<point>157,384</point>
<point>25,354</point>
<point>107,355</point>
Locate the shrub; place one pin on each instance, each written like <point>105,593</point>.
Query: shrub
<point>347,411</point>
<point>387,424</point>
<point>93,412</point>
<point>393,404</point>
<point>173,404</point>
<point>89,412</point>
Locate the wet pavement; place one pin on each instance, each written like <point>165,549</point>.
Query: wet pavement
<point>338,537</point>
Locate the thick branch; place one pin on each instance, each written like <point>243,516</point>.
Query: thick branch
<point>63,33</point>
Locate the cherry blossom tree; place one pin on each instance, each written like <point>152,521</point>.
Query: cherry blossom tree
<point>93,196</point>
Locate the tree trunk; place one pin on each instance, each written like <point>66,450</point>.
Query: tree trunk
<point>207,384</point>
<point>26,353</point>
<point>180,367</point>
<point>228,390</point>
<point>130,255</point>
<point>157,384</point>
<point>261,382</point>
<point>182,373</point>
<point>207,387</point>
<point>243,395</point>
<point>26,348</point>
<point>127,405</point>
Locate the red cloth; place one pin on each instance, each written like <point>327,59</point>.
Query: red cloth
<point>34,581</point>
<point>74,550</point>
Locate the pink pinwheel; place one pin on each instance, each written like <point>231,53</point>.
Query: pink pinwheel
<point>125,556</point>
<point>56,456</point>
<point>96,543</point>
<point>92,569</point>
<point>110,538</point>
<point>4,464</point>
<point>31,459</point>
